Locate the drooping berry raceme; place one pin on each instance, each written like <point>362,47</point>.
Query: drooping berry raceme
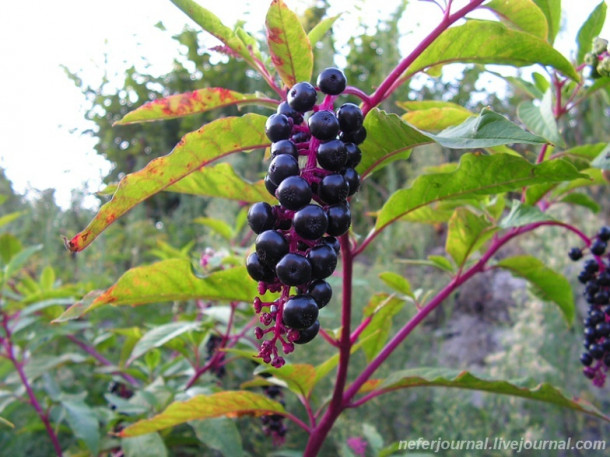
<point>595,275</point>
<point>312,173</point>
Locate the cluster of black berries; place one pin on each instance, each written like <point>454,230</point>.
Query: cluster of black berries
<point>312,173</point>
<point>598,59</point>
<point>595,275</point>
<point>273,424</point>
<point>211,346</point>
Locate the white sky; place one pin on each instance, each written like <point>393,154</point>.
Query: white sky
<point>40,106</point>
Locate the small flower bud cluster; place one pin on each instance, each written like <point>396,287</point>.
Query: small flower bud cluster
<point>598,59</point>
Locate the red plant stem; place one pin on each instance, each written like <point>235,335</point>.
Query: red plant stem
<point>44,417</point>
<point>541,155</point>
<point>103,360</point>
<point>319,432</point>
<point>328,338</point>
<point>296,420</point>
<point>387,86</point>
<point>310,414</point>
<point>364,324</point>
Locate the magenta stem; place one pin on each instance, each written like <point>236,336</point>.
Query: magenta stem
<point>44,417</point>
<point>103,360</point>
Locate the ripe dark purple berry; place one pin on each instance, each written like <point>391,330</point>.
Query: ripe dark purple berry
<point>598,247</point>
<point>586,359</point>
<point>353,180</point>
<point>354,155</point>
<point>305,336</point>
<point>339,219</point>
<point>271,247</point>
<point>294,193</point>
<point>333,189</point>
<point>261,217</point>
<point>285,109</point>
<point>331,81</point>
<point>302,97</point>
<point>323,125</point>
<point>332,242</point>
<point>281,167</point>
<point>293,269</point>
<point>356,137</point>
<point>323,260</point>
<point>270,186</point>
<point>332,155</point>
<point>300,312</point>
<point>603,279</point>
<point>278,127</point>
<point>310,222</point>
<point>604,233</point>
<point>575,254</point>
<point>258,270</point>
<point>590,266</point>
<point>321,292</point>
<point>596,351</point>
<point>300,137</point>
<point>350,118</point>
<point>284,147</point>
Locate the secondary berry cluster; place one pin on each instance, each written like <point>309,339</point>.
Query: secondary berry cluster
<point>273,424</point>
<point>598,59</point>
<point>595,275</point>
<point>314,153</point>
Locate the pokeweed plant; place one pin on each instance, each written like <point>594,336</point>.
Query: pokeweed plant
<point>322,149</point>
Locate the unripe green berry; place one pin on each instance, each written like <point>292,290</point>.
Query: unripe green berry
<point>599,45</point>
<point>590,58</point>
<point>603,68</point>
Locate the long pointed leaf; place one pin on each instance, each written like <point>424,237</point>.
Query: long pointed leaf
<point>196,149</point>
<point>289,45</point>
<point>552,11</point>
<point>443,377</point>
<point>197,101</point>
<point>476,175</point>
<point>589,30</point>
<point>488,42</point>
<point>228,403</point>
<point>521,14</point>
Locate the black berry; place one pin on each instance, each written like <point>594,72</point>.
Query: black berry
<point>260,217</point>
<point>350,118</point>
<point>354,155</point>
<point>293,269</point>
<point>333,189</point>
<point>356,137</point>
<point>271,247</point>
<point>575,254</point>
<point>323,260</point>
<point>586,359</point>
<point>321,292</point>
<point>323,125</point>
<point>305,336</point>
<point>604,233</point>
<point>281,167</point>
<point>284,147</point>
<point>288,111</point>
<point>598,247</point>
<point>294,193</point>
<point>300,312</point>
<point>331,81</point>
<point>278,127</point>
<point>353,180</point>
<point>302,97</point>
<point>310,222</point>
<point>339,219</point>
<point>332,155</point>
<point>257,270</point>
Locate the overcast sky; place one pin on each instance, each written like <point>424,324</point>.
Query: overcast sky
<point>41,107</point>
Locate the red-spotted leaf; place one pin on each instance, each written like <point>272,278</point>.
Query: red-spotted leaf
<point>196,149</point>
<point>229,404</point>
<point>488,42</point>
<point>444,377</point>
<point>222,181</point>
<point>197,101</point>
<point>171,280</point>
<point>289,45</point>
<point>209,22</point>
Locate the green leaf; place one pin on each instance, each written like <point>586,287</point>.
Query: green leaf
<point>521,14</point>
<point>381,308</point>
<point>209,22</point>
<point>299,378</point>
<point>581,156</point>
<point>218,226</point>
<point>289,45</point>
<point>170,280</point>
<point>541,82</point>
<point>397,282</point>
<point>488,42</point>
<point>580,199</point>
<point>227,403</point>
<point>10,217</point>
<point>442,263</point>
<point>486,130</point>
<point>388,138</point>
<point>547,283</point>
<point>196,149</point>
<point>522,214</point>
<point>552,11</point>
<point>220,434</point>
<point>222,181</point>
<point>82,420</point>
<point>591,28</point>
<point>466,233</point>
<point>9,246</point>
<point>540,119</point>
<point>434,115</point>
<point>602,161</point>
<point>197,101</point>
<point>476,175</point>
<point>47,278</point>
<point>149,445</point>
<point>158,336</point>
<point>444,377</point>
<point>19,260</point>
<point>318,32</point>
<point>6,423</point>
